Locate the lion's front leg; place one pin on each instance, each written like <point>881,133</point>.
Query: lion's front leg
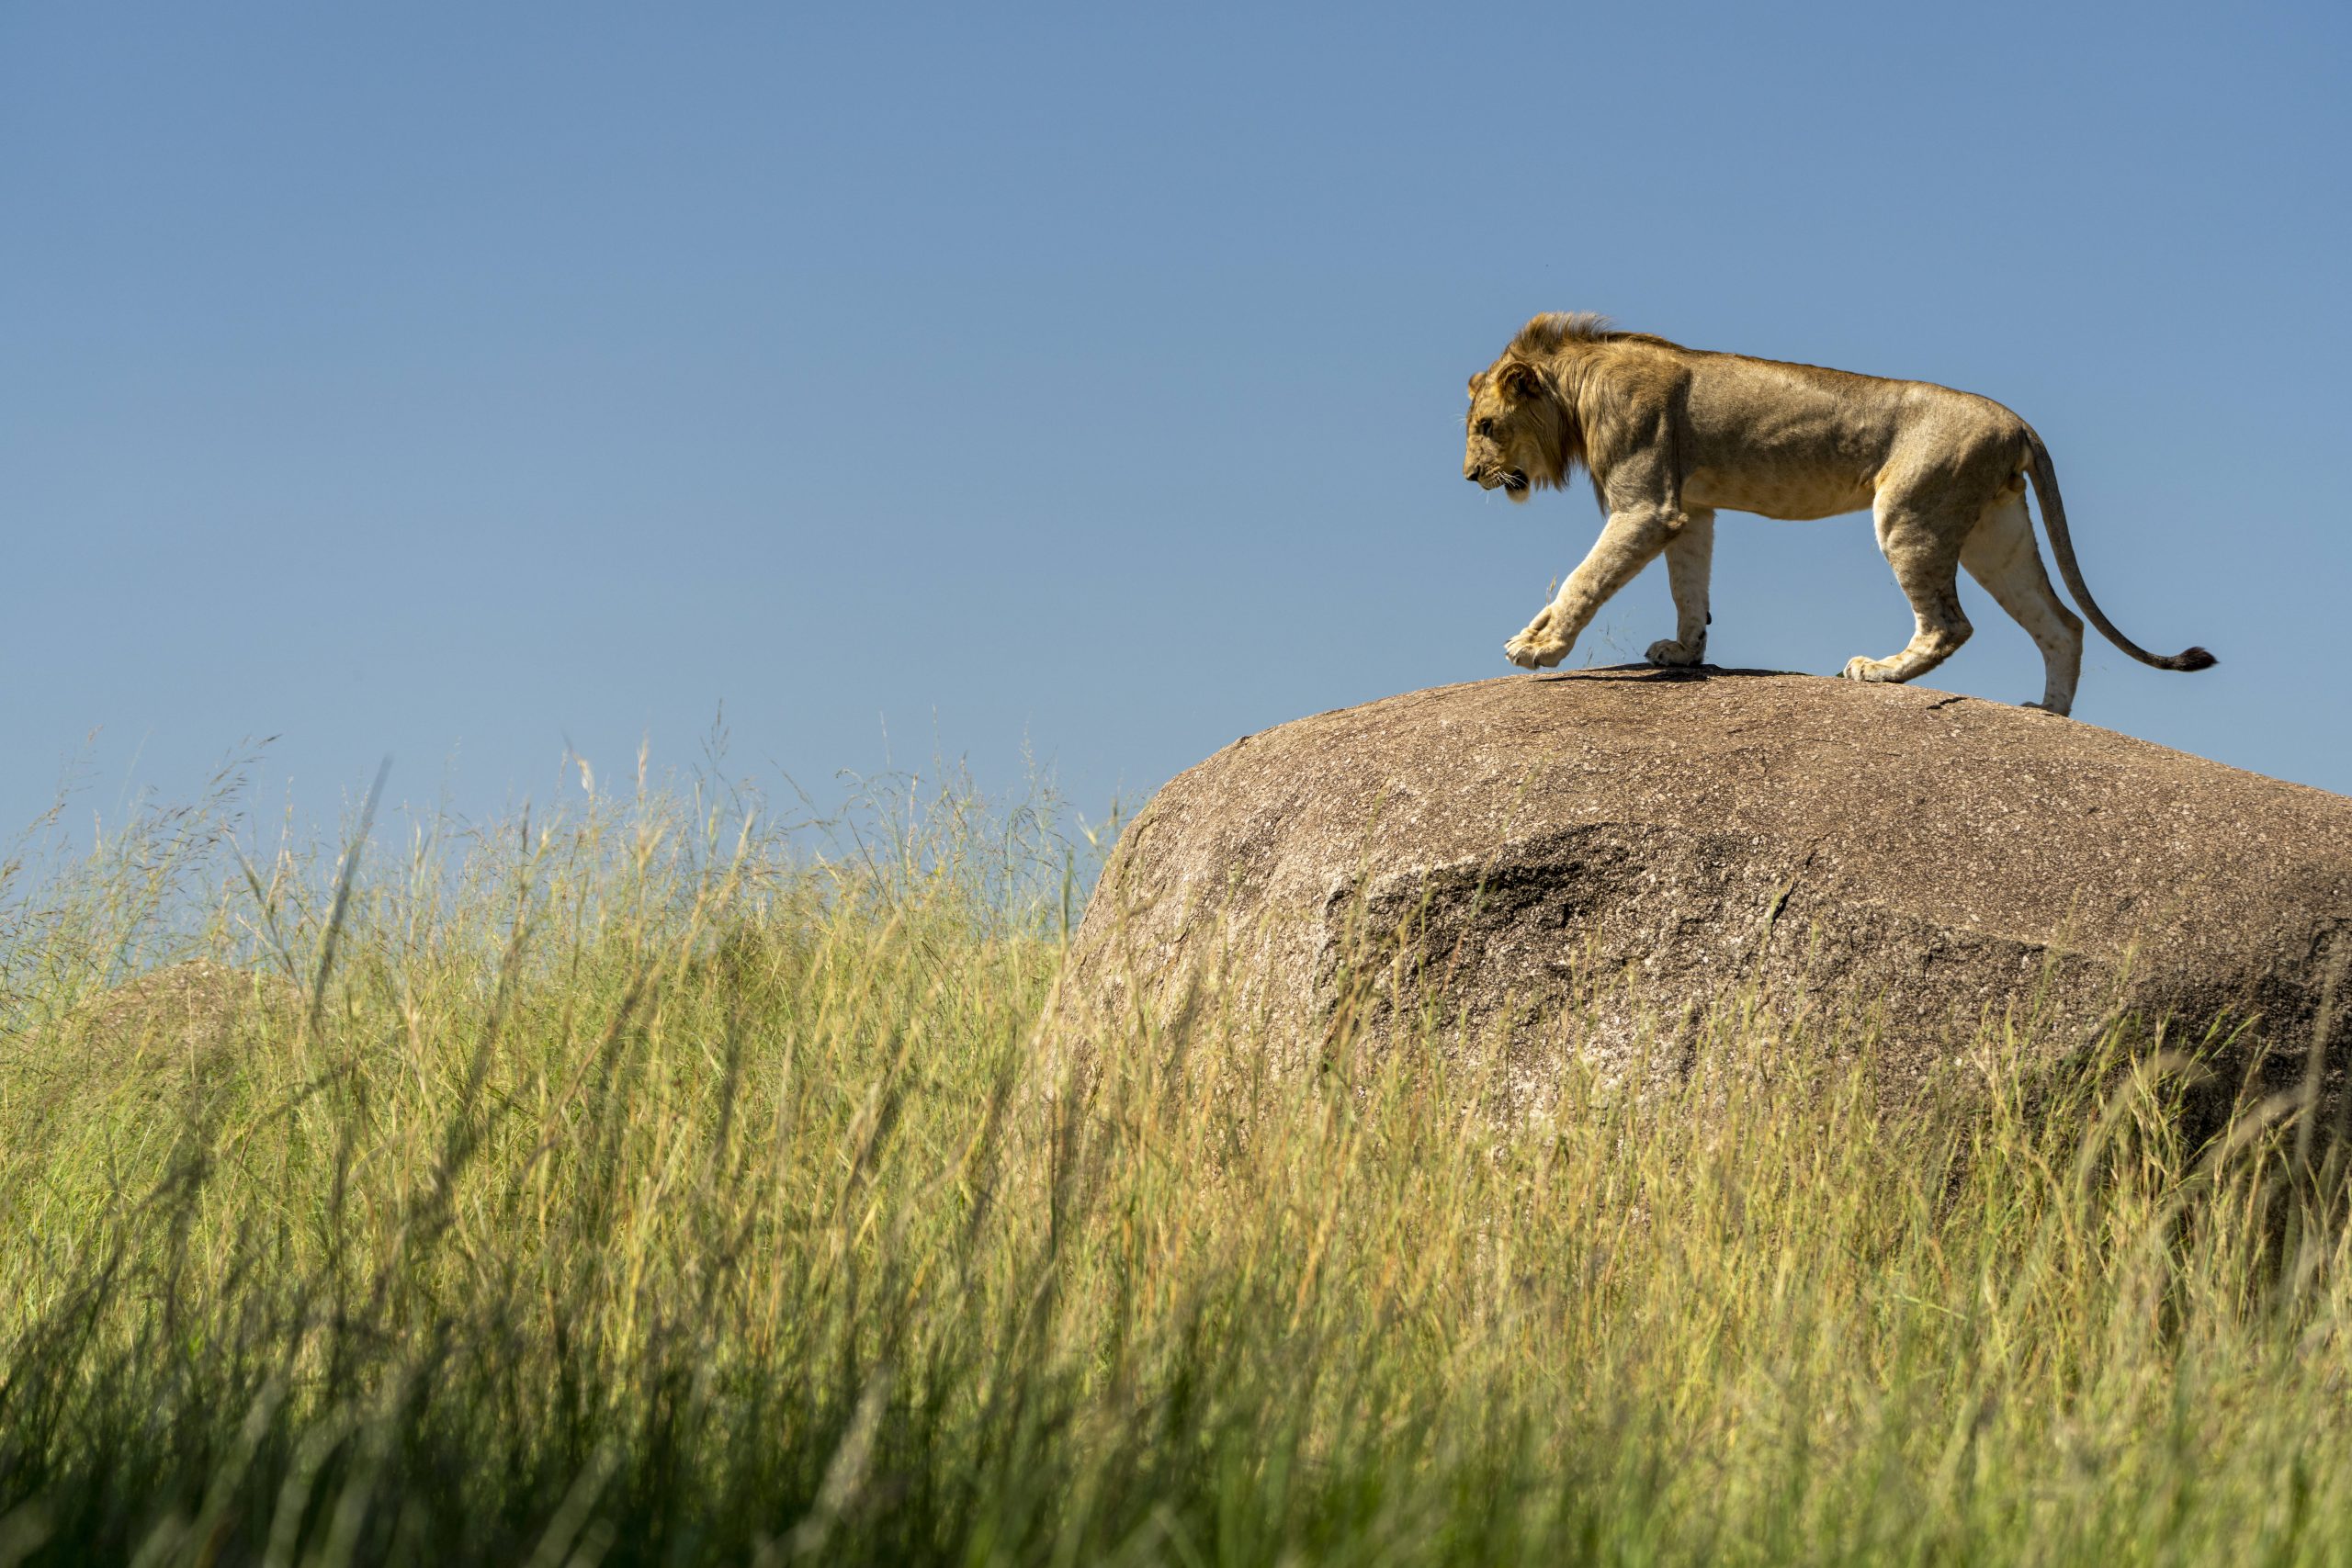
<point>1626,544</point>
<point>1689,555</point>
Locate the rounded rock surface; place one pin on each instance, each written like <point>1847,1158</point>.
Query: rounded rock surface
<point>1622,849</point>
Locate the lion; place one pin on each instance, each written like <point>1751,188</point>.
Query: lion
<point>1669,434</point>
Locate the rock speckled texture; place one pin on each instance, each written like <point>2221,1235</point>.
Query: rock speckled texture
<point>1610,849</point>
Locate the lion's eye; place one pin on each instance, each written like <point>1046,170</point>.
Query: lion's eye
<point>1486,427</point>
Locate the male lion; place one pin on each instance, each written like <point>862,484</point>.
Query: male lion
<point>1670,434</point>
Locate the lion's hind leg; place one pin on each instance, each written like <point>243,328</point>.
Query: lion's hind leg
<point>2000,554</point>
<point>1922,544</point>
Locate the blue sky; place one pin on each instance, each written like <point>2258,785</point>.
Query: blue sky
<point>465,383</point>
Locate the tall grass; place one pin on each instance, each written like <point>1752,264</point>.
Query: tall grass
<point>644,1187</point>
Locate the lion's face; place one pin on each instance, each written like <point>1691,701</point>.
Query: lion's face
<point>1514,431</point>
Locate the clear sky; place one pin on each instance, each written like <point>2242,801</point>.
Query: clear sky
<point>467,382</point>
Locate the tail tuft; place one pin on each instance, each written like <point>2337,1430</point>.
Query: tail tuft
<point>2193,659</point>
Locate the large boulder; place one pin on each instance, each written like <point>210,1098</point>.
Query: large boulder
<point>1600,858</point>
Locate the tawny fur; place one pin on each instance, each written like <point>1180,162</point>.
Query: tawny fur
<point>1669,434</point>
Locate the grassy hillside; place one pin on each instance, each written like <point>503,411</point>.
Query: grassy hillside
<point>639,1188</point>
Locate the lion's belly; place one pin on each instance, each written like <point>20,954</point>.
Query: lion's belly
<point>1796,497</point>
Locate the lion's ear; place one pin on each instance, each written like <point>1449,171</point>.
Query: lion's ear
<point>1518,380</point>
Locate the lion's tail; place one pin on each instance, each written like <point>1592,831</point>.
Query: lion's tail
<point>2053,518</point>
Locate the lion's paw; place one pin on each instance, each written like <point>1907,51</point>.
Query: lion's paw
<point>1673,655</point>
<point>1870,670</point>
<point>1535,650</point>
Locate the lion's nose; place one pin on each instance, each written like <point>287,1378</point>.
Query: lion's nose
<point>1470,474</point>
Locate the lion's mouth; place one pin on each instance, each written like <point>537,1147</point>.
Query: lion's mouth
<point>1512,481</point>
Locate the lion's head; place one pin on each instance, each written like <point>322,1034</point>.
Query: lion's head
<point>1520,437</point>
